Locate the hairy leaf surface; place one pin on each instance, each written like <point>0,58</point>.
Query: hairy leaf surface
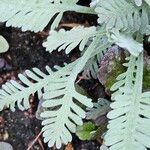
<point>58,92</point>
<point>127,42</point>
<point>140,2</point>
<point>93,63</point>
<point>68,40</point>
<point>13,92</point>
<point>66,114</point>
<point>35,15</point>
<point>101,108</point>
<point>128,127</point>
<point>58,123</point>
<point>121,15</point>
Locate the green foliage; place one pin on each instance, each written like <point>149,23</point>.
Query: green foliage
<point>93,63</point>
<point>139,2</point>
<point>67,114</point>
<point>148,2</point>
<point>68,40</point>
<point>3,45</point>
<point>101,108</point>
<point>129,124</point>
<point>58,90</point>
<point>35,15</point>
<point>122,15</point>
<point>13,92</point>
<point>118,14</point>
<point>121,22</point>
<point>122,40</point>
<point>86,131</point>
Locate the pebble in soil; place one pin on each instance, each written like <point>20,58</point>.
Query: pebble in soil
<point>5,146</point>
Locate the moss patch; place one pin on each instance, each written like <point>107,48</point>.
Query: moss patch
<point>117,69</point>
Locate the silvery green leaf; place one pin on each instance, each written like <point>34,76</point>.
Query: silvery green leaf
<point>130,112</point>
<point>104,147</point>
<point>99,111</point>
<point>127,42</point>
<point>138,2</point>
<point>118,14</point>
<point>148,2</point>
<point>94,3</point>
<point>68,40</point>
<point>36,14</point>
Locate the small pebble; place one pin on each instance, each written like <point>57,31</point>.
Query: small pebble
<point>2,63</point>
<point>5,146</point>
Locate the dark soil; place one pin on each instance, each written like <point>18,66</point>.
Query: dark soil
<point>20,128</point>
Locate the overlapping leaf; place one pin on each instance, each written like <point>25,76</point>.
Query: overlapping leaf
<point>121,15</point>
<point>58,123</point>
<point>31,82</point>
<point>140,2</point>
<point>93,63</point>
<point>127,42</point>
<point>128,127</point>
<point>13,92</point>
<point>145,20</point>
<point>56,91</point>
<point>68,40</point>
<point>99,111</point>
<point>35,15</point>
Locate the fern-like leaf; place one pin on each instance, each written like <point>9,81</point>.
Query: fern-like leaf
<point>127,42</point>
<point>35,15</point>
<point>93,63</point>
<point>69,39</point>
<point>13,92</point>
<point>66,114</point>
<point>140,2</point>
<point>61,121</point>
<point>121,15</point>
<point>100,108</point>
<point>59,93</point>
<point>128,128</point>
<point>145,20</point>
<point>148,2</point>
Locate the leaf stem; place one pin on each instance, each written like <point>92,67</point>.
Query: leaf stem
<point>83,60</point>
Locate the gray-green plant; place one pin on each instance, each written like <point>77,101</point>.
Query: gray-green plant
<point>121,22</point>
